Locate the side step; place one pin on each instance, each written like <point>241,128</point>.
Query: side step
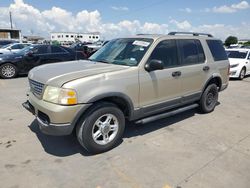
<point>167,114</point>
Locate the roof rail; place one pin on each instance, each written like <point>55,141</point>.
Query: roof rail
<point>190,33</point>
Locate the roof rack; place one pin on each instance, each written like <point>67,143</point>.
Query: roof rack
<point>190,33</point>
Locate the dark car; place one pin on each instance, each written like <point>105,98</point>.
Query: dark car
<point>20,63</point>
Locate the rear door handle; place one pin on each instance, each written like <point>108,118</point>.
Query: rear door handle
<point>176,74</point>
<point>206,68</point>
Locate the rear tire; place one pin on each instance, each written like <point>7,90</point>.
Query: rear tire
<point>8,71</point>
<point>209,98</point>
<point>242,73</point>
<point>101,128</point>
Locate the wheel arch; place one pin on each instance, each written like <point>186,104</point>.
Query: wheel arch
<point>216,79</point>
<point>122,101</point>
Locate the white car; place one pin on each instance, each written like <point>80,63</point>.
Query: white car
<point>12,48</point>
<point>239,62</point>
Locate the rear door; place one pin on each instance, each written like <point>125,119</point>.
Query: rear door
<point>194,70</point>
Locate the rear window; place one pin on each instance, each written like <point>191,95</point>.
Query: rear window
<point>217,50</point>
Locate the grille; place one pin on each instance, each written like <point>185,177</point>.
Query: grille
<point>36,88</point>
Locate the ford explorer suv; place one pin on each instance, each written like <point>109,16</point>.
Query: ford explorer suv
<point>141,79</point>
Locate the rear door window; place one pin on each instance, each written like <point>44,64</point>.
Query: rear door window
<point>41,50</point>
<point>57,49</point>
<point>191,51</point>
<point>217,50</point>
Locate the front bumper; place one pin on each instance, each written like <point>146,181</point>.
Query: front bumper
<point>54,119</point>
<point>234,72</point>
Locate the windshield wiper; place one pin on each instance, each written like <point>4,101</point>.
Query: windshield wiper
<point>102,61</point>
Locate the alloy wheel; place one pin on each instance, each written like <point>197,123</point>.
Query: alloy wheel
<point>105,129</point>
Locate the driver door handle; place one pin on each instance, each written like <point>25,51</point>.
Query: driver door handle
<point>206,68</point>
<point>176,74</point>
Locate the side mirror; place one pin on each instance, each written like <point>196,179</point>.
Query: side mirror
<point>9,49</point>
<point>154,65</point>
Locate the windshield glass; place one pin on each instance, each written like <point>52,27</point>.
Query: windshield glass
<point>237,54</point>
<point>127,51</point>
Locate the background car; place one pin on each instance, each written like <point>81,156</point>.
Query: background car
<point>20,63</point>
<point>239,59</point>
<point>5,42</point>
<point>12,48</point>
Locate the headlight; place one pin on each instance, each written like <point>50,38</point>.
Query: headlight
<point>60,95</point>
<point>233,66</point>
<point>1,59</point>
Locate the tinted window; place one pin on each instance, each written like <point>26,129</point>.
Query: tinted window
<point>217,50</point>
<point>16,46</point>
<point>57,49</point>
<point>41,50</point>
<point>189,52</point>
<point>166,51</point>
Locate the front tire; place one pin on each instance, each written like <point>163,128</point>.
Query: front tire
<point>209,98</point>
<point>8,71</point>
<point>101,128</point>
<point>242,73</point>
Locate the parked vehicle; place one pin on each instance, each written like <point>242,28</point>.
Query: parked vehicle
<point>5,42</point>
<point>239,62</point>
<point>140,79</point>
<point>21,62</point>
<point>12,48</point>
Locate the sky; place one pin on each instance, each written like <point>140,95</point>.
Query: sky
<point>118,18</point>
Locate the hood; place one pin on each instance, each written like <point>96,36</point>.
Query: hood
<point>234,61</point>
<point>57,74</point>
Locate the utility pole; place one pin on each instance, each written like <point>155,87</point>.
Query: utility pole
<point>11,21</point>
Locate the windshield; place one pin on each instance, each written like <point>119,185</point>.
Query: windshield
<point>127,51</point>
<point>237,54</point>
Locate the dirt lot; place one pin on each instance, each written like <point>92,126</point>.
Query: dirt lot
<point>188,150</point>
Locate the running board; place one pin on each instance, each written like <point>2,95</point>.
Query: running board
<point>167,114</point>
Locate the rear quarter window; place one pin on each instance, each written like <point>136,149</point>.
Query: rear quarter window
<point>217,50</point>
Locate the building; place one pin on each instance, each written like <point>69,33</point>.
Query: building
<point>70,37</point>
<point>10,34</point>
<point>33,39</point>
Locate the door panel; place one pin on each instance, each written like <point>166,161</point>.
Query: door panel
<point>158,87</point>
<point>194,70</point>
<point>161,86</point>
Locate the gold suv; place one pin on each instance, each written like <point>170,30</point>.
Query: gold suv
<point>141,78</point>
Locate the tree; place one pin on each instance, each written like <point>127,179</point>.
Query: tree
<point>231,40</point>
<point>55,42</point>
<point>246,43</point>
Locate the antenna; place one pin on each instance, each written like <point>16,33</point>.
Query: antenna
<point>11,26</point>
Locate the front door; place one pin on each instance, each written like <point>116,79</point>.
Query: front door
<point>161,89</point>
